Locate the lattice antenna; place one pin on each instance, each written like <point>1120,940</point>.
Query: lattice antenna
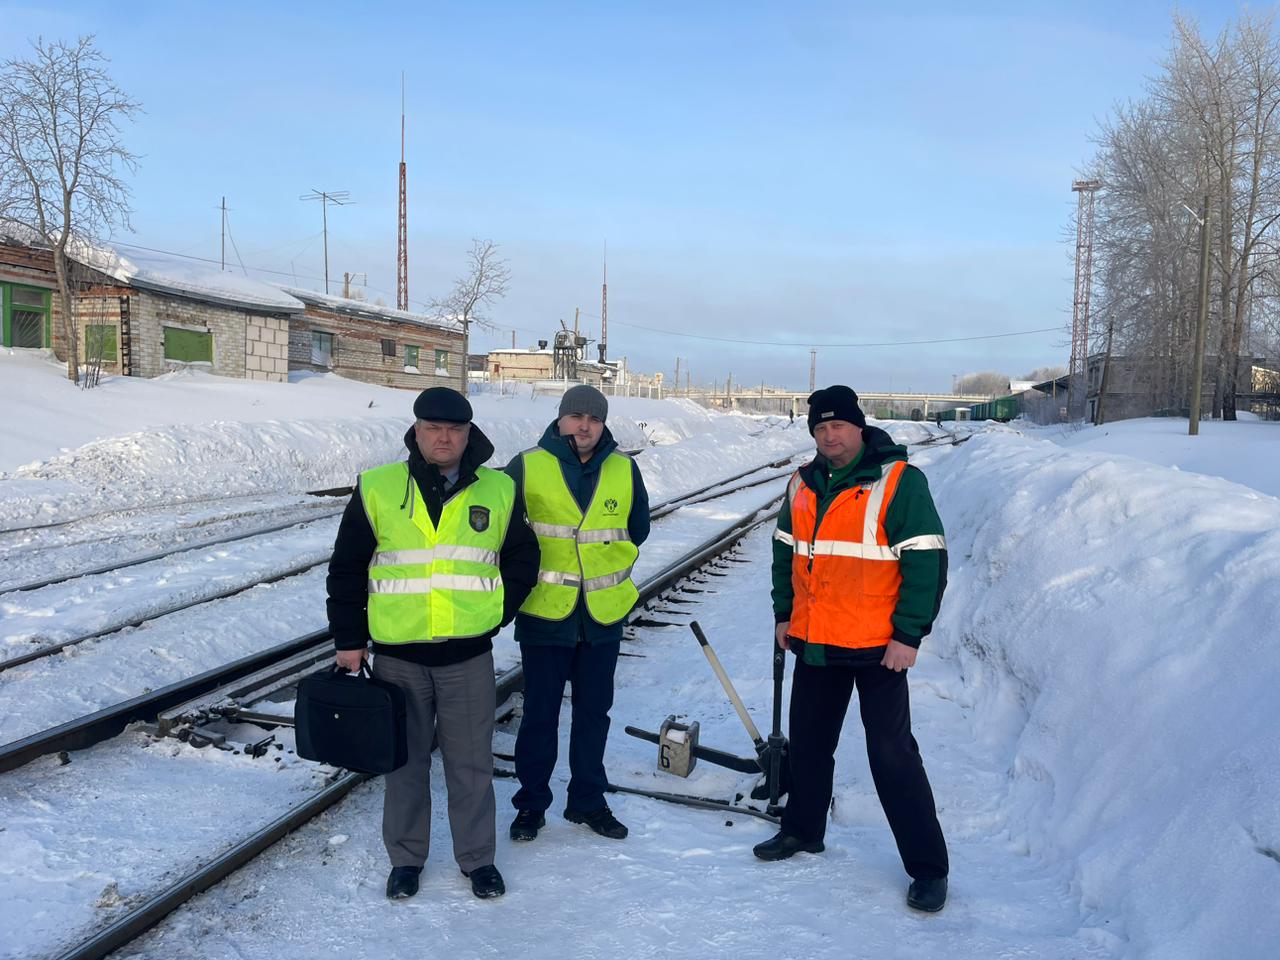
<point>1077,388</point>
<point>402,235</point>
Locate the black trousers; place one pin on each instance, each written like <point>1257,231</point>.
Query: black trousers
<point>589,670</point>
<point>819,701</point>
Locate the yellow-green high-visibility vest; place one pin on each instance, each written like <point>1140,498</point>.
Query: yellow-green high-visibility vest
<point>429,584</point>
<point>590,552</point>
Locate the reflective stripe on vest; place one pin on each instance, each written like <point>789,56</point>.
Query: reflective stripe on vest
<point>429,584</point>
<point>587,553</point>
<point>846,584</point>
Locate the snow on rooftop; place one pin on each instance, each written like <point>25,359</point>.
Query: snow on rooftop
<point>185,277</point>
<point>348,305</point>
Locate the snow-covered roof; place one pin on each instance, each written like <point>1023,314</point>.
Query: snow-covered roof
<point>519,350</point>
<point>183,277</point>
<point>362,308</point>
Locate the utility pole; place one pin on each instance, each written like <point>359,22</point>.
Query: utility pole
<point>1202,322</point>
<point>224,233</point>
<point>337,197</point>
<point>813,370</point>
<point>513,339</point>
<point>675,384</point>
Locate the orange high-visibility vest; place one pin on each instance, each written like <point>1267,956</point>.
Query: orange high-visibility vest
<point>846,583</point>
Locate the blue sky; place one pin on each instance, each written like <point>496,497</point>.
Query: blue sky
<point>809,172</point>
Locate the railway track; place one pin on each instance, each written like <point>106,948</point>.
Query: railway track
<point>234,695</point>
<point>89,729</point>
<point>239,701</point>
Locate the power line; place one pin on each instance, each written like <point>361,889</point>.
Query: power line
<point>809,343</point>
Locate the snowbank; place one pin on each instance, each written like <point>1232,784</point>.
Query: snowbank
<point>1115,622</point>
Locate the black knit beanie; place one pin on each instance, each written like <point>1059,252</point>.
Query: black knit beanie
<point>443,404</point>
<point>835,403</point>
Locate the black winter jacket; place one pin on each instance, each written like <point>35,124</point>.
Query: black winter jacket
<point>349,569</point>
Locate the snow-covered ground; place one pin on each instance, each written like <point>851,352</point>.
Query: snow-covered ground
<point>1095,706</point>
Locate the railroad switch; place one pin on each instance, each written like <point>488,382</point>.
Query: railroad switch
<point>676,745</point>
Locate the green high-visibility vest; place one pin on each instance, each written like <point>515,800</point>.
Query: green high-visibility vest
<point>429,584</point>
<point>589,553</point>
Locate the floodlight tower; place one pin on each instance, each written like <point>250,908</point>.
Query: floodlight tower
<point>1077,389</point>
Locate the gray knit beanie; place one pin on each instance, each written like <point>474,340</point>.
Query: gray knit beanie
<point>585,399</point>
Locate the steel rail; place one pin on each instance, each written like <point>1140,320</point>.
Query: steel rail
<point>51,648</point>
<point>162,554</point>
<point>110,721</point>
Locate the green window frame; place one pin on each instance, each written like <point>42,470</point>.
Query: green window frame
<point>20,298</point>
<point>442,362</point>
<point>410,358</point>
<point>188,346</point>
<point>101,340</point>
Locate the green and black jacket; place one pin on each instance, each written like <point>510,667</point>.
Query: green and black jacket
<point>911,514</point>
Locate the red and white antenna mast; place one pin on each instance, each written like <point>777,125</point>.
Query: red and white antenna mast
<point>402,238</point>
<point>604,308</point>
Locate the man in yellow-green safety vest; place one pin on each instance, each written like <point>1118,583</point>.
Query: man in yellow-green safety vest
<point>433,555</point>
<point>587,504</point>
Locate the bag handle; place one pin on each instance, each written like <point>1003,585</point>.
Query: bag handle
<point>364,670</point>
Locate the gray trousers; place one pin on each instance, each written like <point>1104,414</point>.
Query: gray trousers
<point>454,705</point>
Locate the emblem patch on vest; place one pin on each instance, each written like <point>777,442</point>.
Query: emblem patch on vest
<point>611,507</point>
<point>479,519</point>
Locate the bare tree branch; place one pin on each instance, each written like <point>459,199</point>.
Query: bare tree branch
<point>62,162</point>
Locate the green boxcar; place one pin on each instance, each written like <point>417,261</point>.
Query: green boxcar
<point>1003,409</point>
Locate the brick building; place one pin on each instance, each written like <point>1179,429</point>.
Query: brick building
<point>148,314</point>
<point>373,344</point>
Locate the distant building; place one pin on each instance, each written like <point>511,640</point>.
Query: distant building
<point>517,364</point>
<point>373,344</point>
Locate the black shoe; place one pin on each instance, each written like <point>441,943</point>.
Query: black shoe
<point>927,895</point>
<point>782,845</point>
<point>602,821</point>
<point>402,883</point>
<point>486,882</point>
<point>527,824</point>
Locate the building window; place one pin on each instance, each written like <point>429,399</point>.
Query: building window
<point>442,362</point>
<point>25,316</point>
<point>100,342</point>
<point>410,359</point>
<point>188,346</point>
<point>388,348</point>
<point>321,348</point>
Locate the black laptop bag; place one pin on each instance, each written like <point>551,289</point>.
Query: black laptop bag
<point>351,720</point>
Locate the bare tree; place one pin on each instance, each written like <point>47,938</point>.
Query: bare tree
<point>990,382</point>
<point>485,281</point>
<point>1042,374</point>
<point>61,156</point>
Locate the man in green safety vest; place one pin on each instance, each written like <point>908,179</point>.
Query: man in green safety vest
<point>588,506</point>
<point>433,555</point>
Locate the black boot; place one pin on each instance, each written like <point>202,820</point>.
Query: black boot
<point>782,845</point>
<point>602,821</point>
<point>402,882</point>
<point>527,824</point>
<point>486,882</point>
<point>927,895</point>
